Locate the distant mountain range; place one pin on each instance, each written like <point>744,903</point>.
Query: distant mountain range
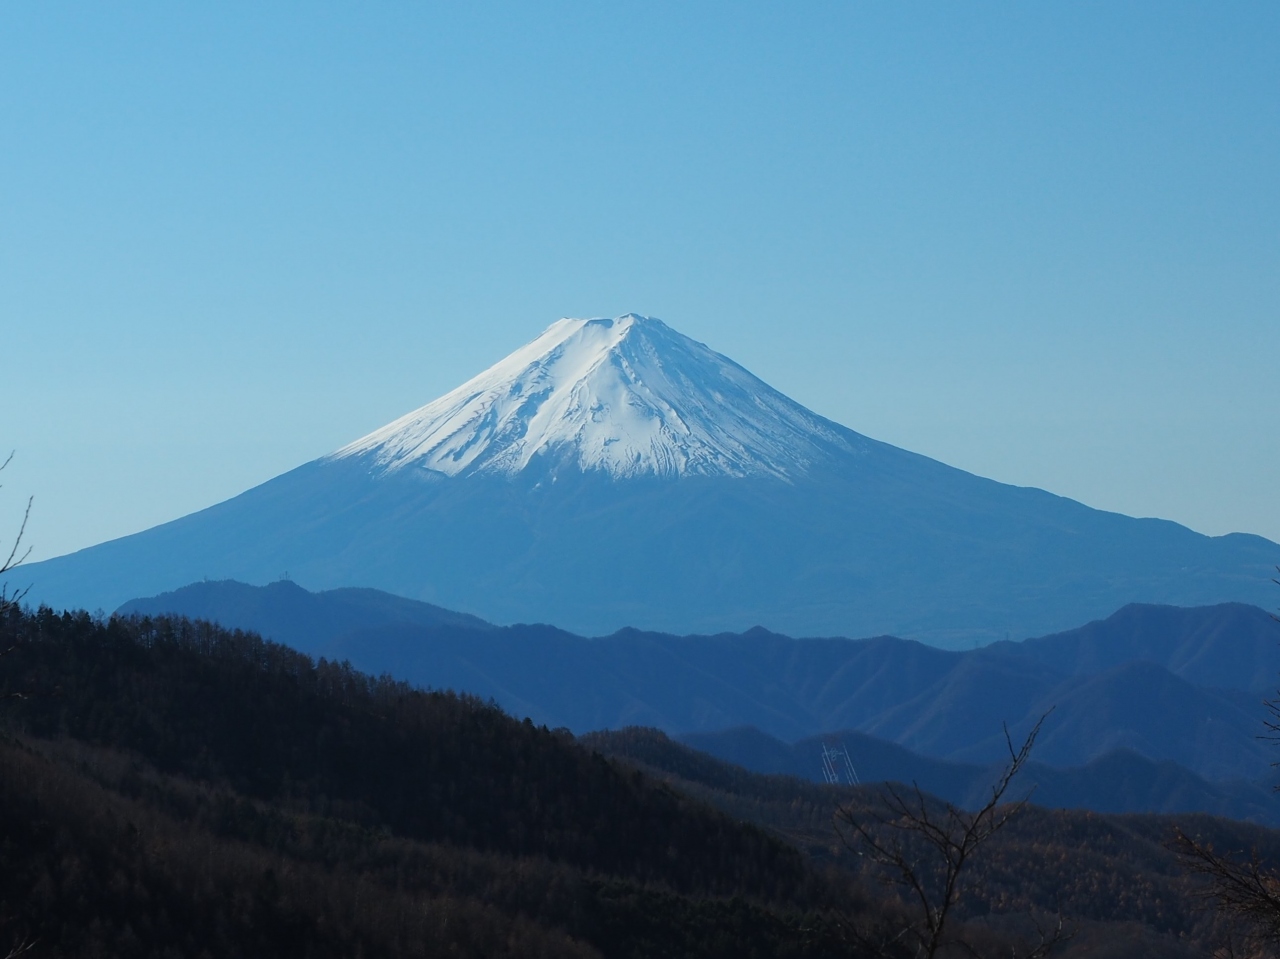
<point>170,788</point>
<point>289,614</point>
<point>1163,683</point>
<point>1119,782</point>
<point>614,472</point>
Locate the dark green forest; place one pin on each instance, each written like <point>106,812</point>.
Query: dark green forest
<point>170,788</point>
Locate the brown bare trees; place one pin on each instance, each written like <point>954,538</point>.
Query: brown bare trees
<point>1244,888</point>
<point>921,847</point>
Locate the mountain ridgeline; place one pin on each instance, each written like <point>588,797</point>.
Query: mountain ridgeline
<point>1118,781</point>
<point>615,473</point>
<point>1149,685</point>
<point>173,788</point>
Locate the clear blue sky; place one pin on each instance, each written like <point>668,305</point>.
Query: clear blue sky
<point>1037,241</point>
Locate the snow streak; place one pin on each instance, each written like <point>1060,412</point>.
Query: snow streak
<point>628,396</point>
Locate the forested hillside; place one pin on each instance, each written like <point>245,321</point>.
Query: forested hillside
<point>169,781</point>
<point>1112,878</point>
<point>172,788</point>
<point>1169,684</point>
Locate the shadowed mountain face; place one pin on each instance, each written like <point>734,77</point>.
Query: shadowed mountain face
<point>1230,646</point>
<point>291,615</point>
<point>616,473</point>
<point>946,705</point>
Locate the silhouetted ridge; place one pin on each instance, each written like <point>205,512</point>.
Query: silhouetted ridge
<point>221,706</point>
<point>1155,680</point>
<point>285,612</point>
<point>173,788</point>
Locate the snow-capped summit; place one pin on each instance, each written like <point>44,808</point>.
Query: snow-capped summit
<point>756,511</point>
<point>627,396</point>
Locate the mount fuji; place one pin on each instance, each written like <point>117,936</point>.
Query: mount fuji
<point>614,472</point>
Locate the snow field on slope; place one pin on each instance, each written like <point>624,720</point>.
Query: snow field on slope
<point>628,396</point>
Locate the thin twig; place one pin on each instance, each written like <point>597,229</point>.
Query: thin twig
<point>880,834</point>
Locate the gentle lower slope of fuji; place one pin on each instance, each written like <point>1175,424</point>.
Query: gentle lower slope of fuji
<point>949,705</point>
<point>882,548</point>
<point>615,473</point>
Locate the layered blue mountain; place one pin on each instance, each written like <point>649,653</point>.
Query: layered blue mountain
<point>614,472</point>
<point>1118,782</point>
<point>1168,684</point>
<point>287,613</point>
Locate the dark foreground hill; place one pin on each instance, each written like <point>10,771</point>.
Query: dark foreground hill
<point>1165,683</point>
<point>170,788</point>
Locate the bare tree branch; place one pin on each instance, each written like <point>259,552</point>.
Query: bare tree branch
<point>1243,888</point>
<point>897,827</point>
<point>13,560</point>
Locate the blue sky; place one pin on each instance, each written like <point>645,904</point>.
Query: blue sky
<point>1040,242</point>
